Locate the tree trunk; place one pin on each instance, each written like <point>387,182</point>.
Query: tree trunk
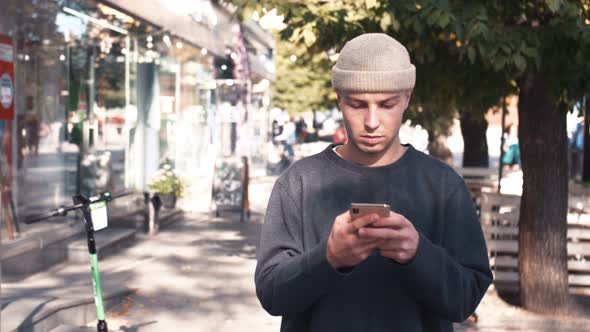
<point>437,148</point>
<point>475,143</point>
<point>543,211</point>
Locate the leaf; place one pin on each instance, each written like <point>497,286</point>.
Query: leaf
<point>295,35</point>
<point>371,3</point>
<point>424,13</point>
<point>506,49</point>
<point>520,62</point>
<point>531,52</point>
<point>418,26</point>
<point>499,62</point>
<point>554,5</point>
<point>386,21</point>
<point>444,20</point>
<point>433,17</point>
<point>395,23</point>
<point>309,37</point>
<point>474,31</point>
<point>471,54</point>
<point>485,32</point>
<point>491,53</point>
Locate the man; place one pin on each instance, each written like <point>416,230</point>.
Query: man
<point>419,269</point>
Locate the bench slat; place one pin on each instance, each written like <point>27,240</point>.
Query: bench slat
<point>512,262</point>
<point>512,277</point>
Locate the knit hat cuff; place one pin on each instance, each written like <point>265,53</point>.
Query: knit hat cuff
<point>373,81</point>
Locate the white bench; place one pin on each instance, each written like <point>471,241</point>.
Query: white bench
<point>499,220</point>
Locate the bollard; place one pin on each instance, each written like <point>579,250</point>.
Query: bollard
<point>154,214</point>
<point>146,212</point>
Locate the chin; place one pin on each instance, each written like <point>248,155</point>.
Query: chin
<point>372,149</point>
<point>381,147</point>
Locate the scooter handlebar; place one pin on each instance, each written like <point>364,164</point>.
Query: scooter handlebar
<point>121,194</point>
<point>44,216</point>
<point>63,210</point>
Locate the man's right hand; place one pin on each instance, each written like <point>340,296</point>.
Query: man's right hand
<point>345,247</point>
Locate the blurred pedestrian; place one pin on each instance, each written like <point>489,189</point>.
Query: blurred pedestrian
<point>32,128</point>
<point>276,130</point>
<point>576,147</point>
<point>511,156</point>
<point>340,136</point>
<point>418,269</point>
<point>288,137</point>
<point>301,129</point>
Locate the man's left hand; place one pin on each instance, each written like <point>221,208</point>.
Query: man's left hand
<point>399,238</point>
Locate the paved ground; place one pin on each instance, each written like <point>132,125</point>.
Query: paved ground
<point>197,275</point>
<point>200,278</point>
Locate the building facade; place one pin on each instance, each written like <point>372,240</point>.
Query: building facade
<point>106,92</point>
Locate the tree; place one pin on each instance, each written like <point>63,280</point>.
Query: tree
<point>540,48</point>
<point>303,82</point>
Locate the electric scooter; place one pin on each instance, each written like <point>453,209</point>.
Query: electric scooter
<point>88,206</point>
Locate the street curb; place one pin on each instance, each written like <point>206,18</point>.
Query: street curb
<point>34,254</point>
<point>39,241</point>
<point>75,312</point>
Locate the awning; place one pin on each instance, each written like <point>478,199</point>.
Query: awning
<point>178,17</point>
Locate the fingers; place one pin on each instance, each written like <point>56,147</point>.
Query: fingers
<point>397,255</point>
<point>344,217</point>
<point>396,221</point>
<point>395,245</point>
<point>379,233</point>
<point>361,222</point>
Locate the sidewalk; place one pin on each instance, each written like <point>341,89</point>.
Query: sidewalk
<point>195,275</point>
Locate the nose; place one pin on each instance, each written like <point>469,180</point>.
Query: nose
<point>371,118</point>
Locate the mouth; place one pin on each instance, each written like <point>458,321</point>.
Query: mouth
<point>371,139</point>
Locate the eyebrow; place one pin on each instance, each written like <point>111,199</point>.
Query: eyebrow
<point>394,98</point>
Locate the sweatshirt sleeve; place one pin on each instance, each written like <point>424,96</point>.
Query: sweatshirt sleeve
<point>451,279</point>
<point>289,279</point>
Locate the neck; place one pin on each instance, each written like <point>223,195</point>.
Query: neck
<point>391,154</point>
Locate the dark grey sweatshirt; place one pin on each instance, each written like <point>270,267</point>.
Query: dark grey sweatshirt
<point>443,283</point>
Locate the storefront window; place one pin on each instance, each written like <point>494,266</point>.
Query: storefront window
<point>94,88</point>
<point>70,97</point>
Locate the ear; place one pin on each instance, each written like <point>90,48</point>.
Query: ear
<point>408,94</point>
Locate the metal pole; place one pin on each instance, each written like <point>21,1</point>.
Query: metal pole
<point>502,140</point>
<point>586,144</point>
<point>90,97</point>
<point>126,126</point>
<point>1,304</point>
<point>154,214</point>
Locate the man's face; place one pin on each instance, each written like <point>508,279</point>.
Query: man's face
<point>373,119</point>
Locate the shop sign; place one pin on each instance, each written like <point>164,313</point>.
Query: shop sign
<point>6,78</point>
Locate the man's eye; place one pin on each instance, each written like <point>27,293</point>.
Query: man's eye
<point>357,106</point>
<point>389,105</point>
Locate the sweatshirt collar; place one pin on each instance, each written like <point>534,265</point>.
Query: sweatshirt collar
<point>339,161</point>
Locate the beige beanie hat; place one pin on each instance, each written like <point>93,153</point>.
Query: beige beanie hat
<point>373,62</point>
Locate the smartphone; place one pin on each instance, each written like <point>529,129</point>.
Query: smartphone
<point>361,209</point>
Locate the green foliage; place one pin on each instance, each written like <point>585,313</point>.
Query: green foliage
<point>167,181</point>
<point>468,53</point>
<point>302,85</point>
